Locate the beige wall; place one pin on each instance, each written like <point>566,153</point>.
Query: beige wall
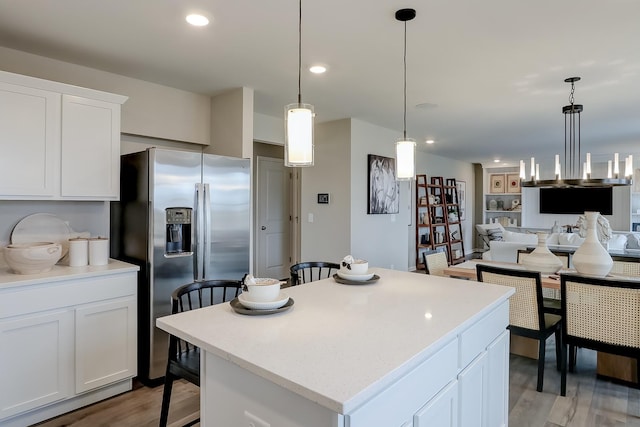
<point>151,110</point>
<point>327,238</point>
<point>232,124</point>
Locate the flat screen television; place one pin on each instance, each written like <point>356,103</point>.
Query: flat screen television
<point>576,200</point>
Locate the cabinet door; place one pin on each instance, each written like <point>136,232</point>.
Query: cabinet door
<point>36,355</point>
<point>472,385</point>
<point>30,142</point>
<point>441,411</point>
<point>90,149</point>
<point>105,343</point>
<point>498,381</point>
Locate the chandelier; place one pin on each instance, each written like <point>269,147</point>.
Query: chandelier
<point>576,173</point>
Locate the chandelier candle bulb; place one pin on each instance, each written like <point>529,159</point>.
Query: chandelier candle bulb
<point>537,171</point>
<point>584,170</point>
<point>522,170</point>
<point>557,169</point>
<point>628,166</point>
<point>587,166</point>
<point>533,168</point>
<point>616,167</point>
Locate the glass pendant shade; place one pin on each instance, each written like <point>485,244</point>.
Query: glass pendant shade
<point>298,140</point>
<point>405,158</point>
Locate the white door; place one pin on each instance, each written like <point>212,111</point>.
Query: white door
<point>273,219</point>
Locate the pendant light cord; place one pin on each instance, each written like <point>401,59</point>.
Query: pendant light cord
<point>299,51</point>
<point>405,81</point>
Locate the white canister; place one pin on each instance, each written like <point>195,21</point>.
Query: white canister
<point>98,251</point>
<point>78,252</point>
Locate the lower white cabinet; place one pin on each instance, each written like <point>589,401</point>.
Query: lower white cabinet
<point>65,344</point>
<point>105,343</point>
<point>36,356</point>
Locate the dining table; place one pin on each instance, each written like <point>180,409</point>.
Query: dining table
<point>467,270</point>
<point>610,366</point>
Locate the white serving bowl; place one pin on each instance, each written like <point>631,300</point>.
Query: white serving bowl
<point>358,267</point>
<point>32,258</point>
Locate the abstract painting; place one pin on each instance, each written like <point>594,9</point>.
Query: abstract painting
<point>383,192</point>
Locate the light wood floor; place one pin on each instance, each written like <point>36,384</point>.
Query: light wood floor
<point>590,402</point>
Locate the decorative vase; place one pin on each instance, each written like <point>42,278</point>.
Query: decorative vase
<point>541,259</point>
<point>591,258</point>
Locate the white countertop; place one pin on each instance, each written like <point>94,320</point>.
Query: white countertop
<point>8,279</point>
<point>341,344</point>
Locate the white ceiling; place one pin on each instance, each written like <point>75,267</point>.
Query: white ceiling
<point>495,69</point>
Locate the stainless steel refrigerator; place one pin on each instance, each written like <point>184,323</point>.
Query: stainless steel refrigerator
<point>182,217</point>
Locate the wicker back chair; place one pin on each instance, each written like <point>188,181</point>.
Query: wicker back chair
<point>305,272</point>
<point>626,266</point>
<point>599,314</point>
<point>526,312</point>
<point>435,263</point>
<point>551,297</point>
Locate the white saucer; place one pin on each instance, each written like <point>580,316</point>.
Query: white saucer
<point>267,305</point>
<point>361,277</point>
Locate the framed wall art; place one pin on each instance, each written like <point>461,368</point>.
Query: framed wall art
<point>462,198</point>
<point>496,183</point>
<point>513,183</point>
<point>383,191</point>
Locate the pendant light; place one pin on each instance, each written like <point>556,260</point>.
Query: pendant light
<point>405,147</point>
<point>576,173</point>
<point>298,120</point>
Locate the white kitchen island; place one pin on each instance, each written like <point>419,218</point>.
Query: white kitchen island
<point>409,350</point>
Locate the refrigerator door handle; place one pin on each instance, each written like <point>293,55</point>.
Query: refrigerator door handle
<point>198,260</point>
<point>206,234</point>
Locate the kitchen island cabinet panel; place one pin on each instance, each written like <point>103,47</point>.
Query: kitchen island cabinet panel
<point>37,361</point>
<point>441,411</point>
<point>30,124</point>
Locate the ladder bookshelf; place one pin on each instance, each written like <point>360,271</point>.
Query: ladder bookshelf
<point>438,224</point>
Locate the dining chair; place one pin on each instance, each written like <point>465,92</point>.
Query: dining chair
<point>184,358</point>
<point>526,312</point>
<point>600,314</point>
<point>625,266</point>
<point>435,263</point>
<point>551,297</point>
<point>305,272</point>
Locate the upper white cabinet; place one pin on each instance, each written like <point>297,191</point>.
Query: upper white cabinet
<point>59,142</point>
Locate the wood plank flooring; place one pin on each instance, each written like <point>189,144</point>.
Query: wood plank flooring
<point>590,402</point>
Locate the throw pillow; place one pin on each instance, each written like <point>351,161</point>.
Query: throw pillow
<point>633,242</point>
<point>494,234</point>
<point>617,242</point>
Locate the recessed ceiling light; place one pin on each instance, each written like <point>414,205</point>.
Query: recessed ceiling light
<point>496,160</point>
<point>430,141</point>
<point>197,20</point>
<point>318,69</point>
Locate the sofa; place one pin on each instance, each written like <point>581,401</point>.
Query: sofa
<point>504,244</point>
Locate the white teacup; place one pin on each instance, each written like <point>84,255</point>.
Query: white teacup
<point>263,290</point>
<point>357,267</point>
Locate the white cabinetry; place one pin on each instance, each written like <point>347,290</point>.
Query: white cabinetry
<point>29,135</point>
<point>462,384</point>
<point>105,343</point>
<point>59,142</point>
<point>37,359</point>
<point>65,344</point>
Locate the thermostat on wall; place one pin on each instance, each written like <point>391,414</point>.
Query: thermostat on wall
<point>323,198</point>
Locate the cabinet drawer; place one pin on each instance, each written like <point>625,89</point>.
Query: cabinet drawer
<point>401,400</point>
<point>66,293</point>
<point>478,337</point>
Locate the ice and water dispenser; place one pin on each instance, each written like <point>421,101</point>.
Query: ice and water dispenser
<point>178,236</point>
